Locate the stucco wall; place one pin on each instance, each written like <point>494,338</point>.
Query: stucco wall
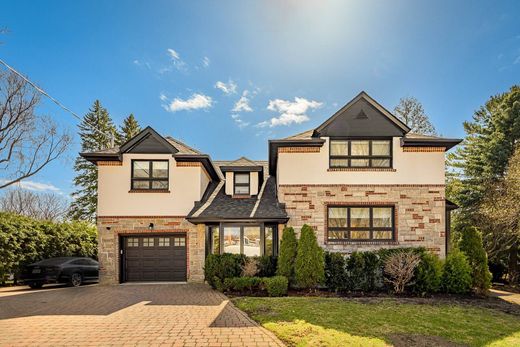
<point>186,185</point>
<point>253,183</point>
<point>408,168</point>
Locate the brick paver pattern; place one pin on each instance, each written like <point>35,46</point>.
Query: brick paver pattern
<point>130,315</point>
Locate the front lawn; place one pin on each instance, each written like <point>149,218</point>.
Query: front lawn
<point>312,321</point>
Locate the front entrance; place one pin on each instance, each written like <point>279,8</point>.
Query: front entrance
<point>153,258</point>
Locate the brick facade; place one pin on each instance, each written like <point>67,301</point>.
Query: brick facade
<point>111,227</point>
<point>419,212</point>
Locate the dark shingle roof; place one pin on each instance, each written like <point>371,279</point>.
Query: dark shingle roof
<point>179,145</point>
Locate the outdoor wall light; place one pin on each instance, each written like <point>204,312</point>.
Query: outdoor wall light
<point>108,228</point>
<point>150,226</point>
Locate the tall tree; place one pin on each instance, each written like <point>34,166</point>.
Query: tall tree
<point>411,112</point>
<point>85,197</point>
<point>28,141</point>
<point>44,206</point>
<point>129,129</point>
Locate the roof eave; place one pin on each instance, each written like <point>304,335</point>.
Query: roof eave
<point>95,157</point>
<point>446,143</point>
<point>198,220</point>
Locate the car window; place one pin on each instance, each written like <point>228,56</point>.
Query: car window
<point>80,262</point>
<point>92,262</point>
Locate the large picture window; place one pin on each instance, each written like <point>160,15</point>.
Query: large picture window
<point>149,174</point>
<point>360,153</point>
<point>241,183</point>
<point>360,223</point>
<point>250,240</point>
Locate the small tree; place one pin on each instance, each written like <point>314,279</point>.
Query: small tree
<point>399,269</point>
<point>456,275</point>
<point>471,244</point>
<point>411,112</point>
<point>287,254</point>
<point>250,267</point>
<point>309,267</point>
<point>129,129</point>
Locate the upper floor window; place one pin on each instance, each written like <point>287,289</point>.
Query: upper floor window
<point>150,174</point>
<point>360,223</point>
<point>360,153</point>
<point>241,183</point>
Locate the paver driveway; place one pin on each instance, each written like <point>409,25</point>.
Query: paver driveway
<point>143,315</point>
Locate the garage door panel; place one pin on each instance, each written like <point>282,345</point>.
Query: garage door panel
<point>155,258</point>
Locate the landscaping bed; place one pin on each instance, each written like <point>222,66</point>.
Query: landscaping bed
<point>380,321</point>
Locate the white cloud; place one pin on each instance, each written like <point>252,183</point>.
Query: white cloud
<point>35,186</point>
<point>163,97</point>
<point>173,54</point>
<point>195,102</point>
<point>290,111</point>
<point>239,121</point>
<point>242,105</point>
<point>227,88</point>
<point>206,62</point>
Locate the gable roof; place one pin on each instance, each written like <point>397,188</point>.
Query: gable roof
<point>380,110</point>
<point>241,164</point>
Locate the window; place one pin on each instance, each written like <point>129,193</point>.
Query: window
<point>232,240</point>
<point>252,241</point>
<point>215,239</point>
<point>148,242</point>
<point>179,241</point>
<point>247,239</point>
<point>241,183</point>
<point>150,174</point>
<point>268,239</point>
<point>164,242</point>
<point>360,223</point>
<point>132,242</point>
<point>360,153</point>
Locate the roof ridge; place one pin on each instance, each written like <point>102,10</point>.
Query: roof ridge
<point>169,137</point>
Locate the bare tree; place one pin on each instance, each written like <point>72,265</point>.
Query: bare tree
<point>411,112</point>
<point>399,269</point>
<point>27,142</point>
<point>44,206</point>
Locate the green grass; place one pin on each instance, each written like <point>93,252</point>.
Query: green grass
<point>305,321</point>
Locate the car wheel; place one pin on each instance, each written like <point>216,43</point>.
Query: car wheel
<point>75,279</point>
<point>36,285</point>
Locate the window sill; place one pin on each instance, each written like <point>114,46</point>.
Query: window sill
<point>149,191</point>
<point>386,169</point>
<point>345,242</point>
<point>241,196</point>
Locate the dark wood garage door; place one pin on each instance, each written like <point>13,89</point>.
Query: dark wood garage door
<point>154,258</point>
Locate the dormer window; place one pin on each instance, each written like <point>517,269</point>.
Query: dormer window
<point>359,153</point>
<point>149,174</point>
<point>241,183</point>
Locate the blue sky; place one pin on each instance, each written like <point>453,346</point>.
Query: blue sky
<point>284,66</point>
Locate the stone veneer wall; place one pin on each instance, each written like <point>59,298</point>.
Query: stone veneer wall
<point>419,212</point>
<point>108,242</point>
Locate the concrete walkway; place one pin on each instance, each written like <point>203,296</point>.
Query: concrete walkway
<point>512,298</point>
<point>130,315</point>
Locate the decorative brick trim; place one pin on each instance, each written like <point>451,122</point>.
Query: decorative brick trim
<point>137,217</point>
<point>127,232</point>
<point>298,149</point>
<point>388,169</point>
<point>424,149</point>
<point>362,203</point>
<point>149,191</point>
<point>305,186</point>
<point>189,164</point>
<point>109,163</point>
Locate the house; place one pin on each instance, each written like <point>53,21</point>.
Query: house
<point>361,179</point>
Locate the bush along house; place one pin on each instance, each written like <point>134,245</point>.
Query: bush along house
<point>361,179</point>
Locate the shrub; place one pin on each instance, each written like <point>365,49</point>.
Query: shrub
<point>222,266</point>
<point>267,266</point>
<point>242,284</point>
<point>364,271</point>
<point>471,244</point>
<point>498,269</point>
<point>309,266</point>
<point>335,275</point>
<point>399,269</point>
<point>428,274</point>
<point>456,276</point>
<point>288,249</point>
<point>276,286</point>
<point>250,267</point>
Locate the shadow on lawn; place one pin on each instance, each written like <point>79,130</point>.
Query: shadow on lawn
<point>376,321</point>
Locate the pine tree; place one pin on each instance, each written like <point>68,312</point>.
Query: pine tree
<point>309,266</point>
<point>411,112</point>
<point>85,197</point>
<point>287,254</point>
<point>129,129</point>
<point>471,244</point>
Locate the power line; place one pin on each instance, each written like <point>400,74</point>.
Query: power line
<point>110,137</point>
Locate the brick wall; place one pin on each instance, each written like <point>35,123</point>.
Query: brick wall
<point>419,212</point>
<point>108,239</point>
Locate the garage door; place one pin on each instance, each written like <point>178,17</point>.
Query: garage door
<point>154,258</point>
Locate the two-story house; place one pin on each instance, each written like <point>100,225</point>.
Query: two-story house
<point>360,179</point>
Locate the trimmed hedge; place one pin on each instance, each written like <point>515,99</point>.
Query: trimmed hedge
<point>288,248</point>
<point>218,267</point>
<point>309,266</point>
<point>24,240</point>
<point>428,274</point>
<point>276,286</point>
<point>471,244</point>
<point>335,274</point>
<point>456,276</point>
